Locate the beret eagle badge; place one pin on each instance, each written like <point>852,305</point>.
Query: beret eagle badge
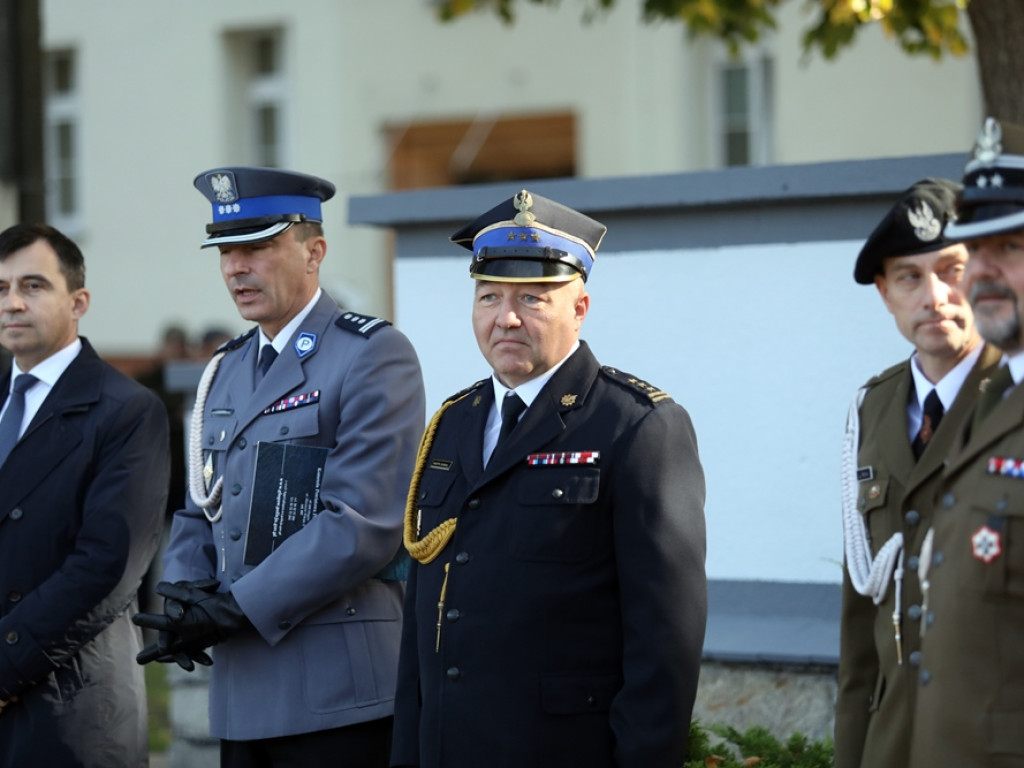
<point>926,226</point>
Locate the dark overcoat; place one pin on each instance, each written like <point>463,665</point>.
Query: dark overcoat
<point>575,593</point>
<point>875,704</point>
<point>82,499</point>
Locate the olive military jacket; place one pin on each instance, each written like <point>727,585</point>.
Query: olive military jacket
<point>574,592</point>
<point>895,494</point>
<point>970,698</point>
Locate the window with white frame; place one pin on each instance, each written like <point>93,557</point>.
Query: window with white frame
<point>744,92</point>
<point>259,87</point>
<point>62,141</point>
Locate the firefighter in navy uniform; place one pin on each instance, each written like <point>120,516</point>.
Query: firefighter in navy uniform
<point>556,604</point>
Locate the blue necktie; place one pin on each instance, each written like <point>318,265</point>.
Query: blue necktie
<point>10,424</point>
<point>267,356</point>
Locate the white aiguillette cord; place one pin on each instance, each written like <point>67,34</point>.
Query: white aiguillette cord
<point>869,576</point>
<point>196,480</point>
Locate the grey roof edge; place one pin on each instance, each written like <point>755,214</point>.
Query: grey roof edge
<point>783,184</point>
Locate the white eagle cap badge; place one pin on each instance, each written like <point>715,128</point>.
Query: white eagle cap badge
<point>990,142</point>
<point>926,226</point>
<point>223,186</point>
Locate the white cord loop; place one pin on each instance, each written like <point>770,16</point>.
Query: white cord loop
<point>197,485</point>
<point>870,576</point>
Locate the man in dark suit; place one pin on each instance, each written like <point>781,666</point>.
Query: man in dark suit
<point>556,607</point>
<point>306,618</point>
<point>970,694</point>
<point>901,427</point>
<point>83,479</point>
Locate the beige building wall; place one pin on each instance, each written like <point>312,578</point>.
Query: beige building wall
<point>156,108</point>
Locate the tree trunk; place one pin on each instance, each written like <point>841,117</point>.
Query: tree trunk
<point>998,27</point>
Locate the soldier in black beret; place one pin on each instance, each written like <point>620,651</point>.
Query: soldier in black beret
<point>901,426</point>
<point>969,699</point>
<point>556,605</point>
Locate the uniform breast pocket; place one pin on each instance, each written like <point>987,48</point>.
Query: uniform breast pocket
<point>994,536</point>
<point>872,494</point>
<point>434,489</point>
<point>557,518</point>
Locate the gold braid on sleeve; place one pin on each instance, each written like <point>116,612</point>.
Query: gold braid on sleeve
<point>426,549</point>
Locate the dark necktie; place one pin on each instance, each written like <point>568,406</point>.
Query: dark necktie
<point>511,407</point>
<point>267,356</point>
<point>990,396</point>
<point>933,412</point>
<point>10,425</point>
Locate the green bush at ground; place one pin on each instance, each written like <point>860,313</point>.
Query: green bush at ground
<point>756,747</point>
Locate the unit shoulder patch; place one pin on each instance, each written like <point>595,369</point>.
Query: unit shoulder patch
<point>364,325</point>
<point>629,381</point>
<point>236,342</point>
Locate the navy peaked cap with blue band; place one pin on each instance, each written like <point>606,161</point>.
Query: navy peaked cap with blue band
<point>254,204</point>
<point>992,200</point>
<point>528,239</point>
<point>914,225</point>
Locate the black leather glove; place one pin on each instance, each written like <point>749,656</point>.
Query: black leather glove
<point>195,616</point>
<point>169,650</point>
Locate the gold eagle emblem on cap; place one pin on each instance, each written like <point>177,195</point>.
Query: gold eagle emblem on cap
<point>523,202</point>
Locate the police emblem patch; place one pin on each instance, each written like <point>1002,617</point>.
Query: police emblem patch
<point>223,185</point>
<point>986,544</point>
<point>305,344</point>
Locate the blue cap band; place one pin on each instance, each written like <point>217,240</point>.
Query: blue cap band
<point>271,205</point>
<point>529,237</point>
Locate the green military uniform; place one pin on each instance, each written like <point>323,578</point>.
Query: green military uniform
<point>875,702</point>
<point>970,693</point>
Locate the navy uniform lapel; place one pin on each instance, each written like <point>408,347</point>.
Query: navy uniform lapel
<point>472,420</point>
<point>542,422</point>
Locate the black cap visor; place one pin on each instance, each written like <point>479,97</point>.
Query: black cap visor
<point>526,265</point>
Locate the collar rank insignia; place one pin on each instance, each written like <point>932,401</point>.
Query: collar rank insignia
<point>1005,467</point>
<point>294,402</point>
<point>986,544</point>
<point>564,457</point>
<point>568,400</point>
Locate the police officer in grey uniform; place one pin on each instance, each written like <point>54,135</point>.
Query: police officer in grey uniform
<point>557,602</point>
<point>303,441</point>
<point>970,684</point>
<point>901,426</point>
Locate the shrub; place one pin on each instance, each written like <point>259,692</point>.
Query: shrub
<point>756,746</point>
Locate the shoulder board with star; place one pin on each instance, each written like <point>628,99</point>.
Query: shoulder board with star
<point>887,374</point>
<point>363,325</point>
<point>236,342</point>
<point>463,392</point>
<point>649,391</point>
